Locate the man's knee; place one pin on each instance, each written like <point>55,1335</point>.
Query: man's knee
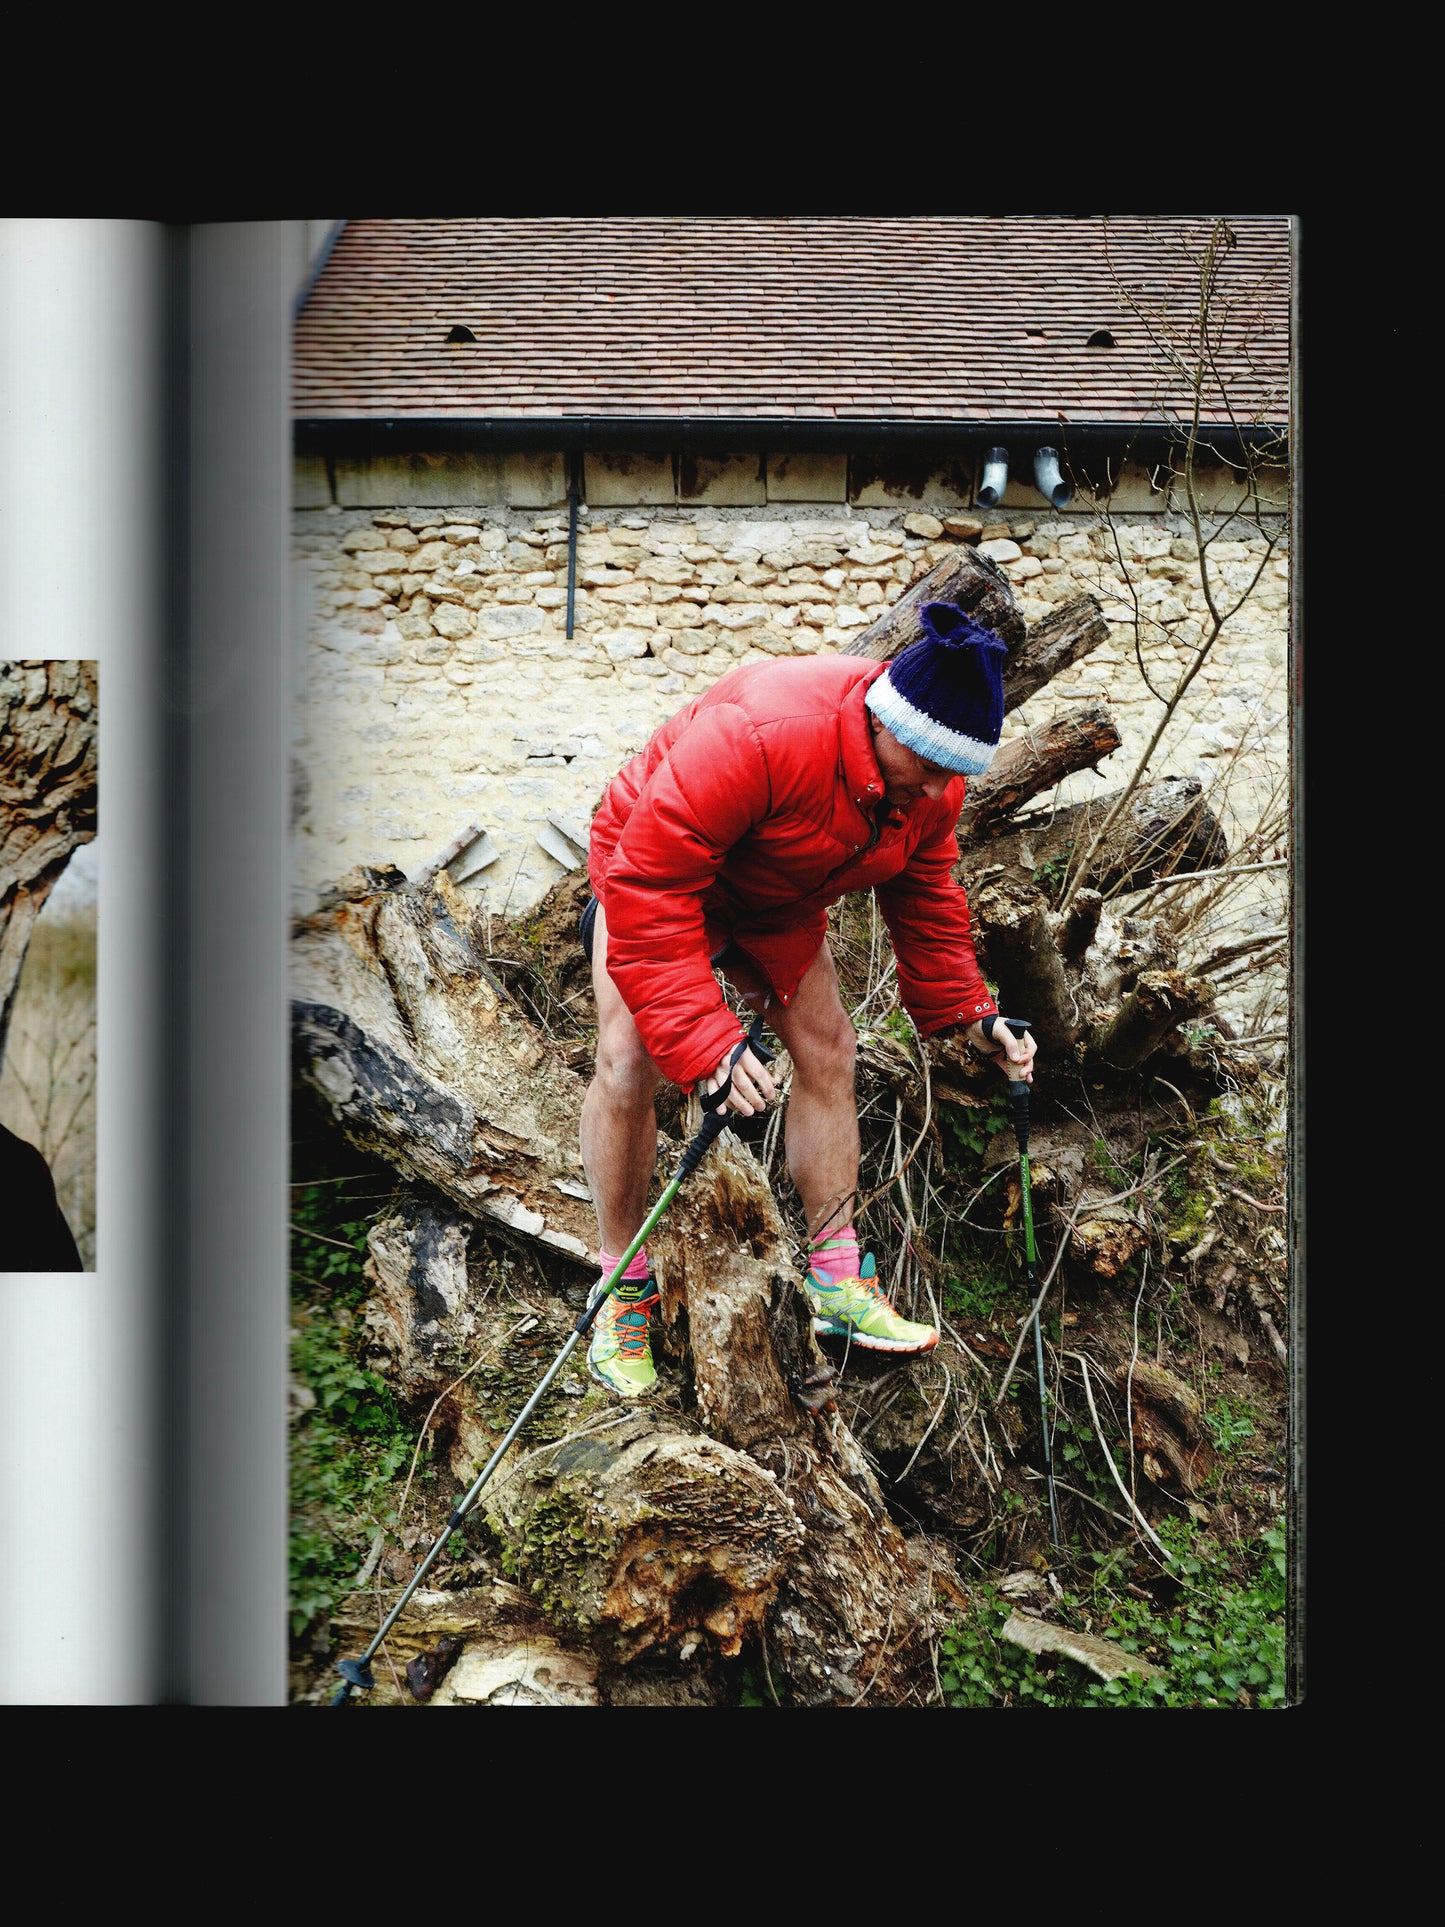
<point>828,1052</point>
<point>624,1069</point>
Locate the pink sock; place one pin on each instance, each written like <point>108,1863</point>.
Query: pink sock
<point>635,1272</point>
<point>835,1254</point>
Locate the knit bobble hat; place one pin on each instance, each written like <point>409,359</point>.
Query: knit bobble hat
<point>943,696</point>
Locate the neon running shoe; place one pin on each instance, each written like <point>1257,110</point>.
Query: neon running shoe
<point>620,1353</point>
<point>856,1309</point>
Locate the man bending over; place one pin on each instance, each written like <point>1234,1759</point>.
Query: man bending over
<point>722,844</point>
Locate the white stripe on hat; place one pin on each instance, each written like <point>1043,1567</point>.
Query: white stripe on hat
<point>924,735</point>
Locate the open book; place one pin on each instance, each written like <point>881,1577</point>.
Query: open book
<point>355,578</point>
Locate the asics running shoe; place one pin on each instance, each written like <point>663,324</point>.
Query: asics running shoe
<point>620,1353</point>
<point>856,1309</point>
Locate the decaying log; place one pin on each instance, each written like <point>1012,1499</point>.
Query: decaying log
<point>1065,636</point>
<point>510,1654</point>
<point>1167,828</point>
<point>1033,763</point>
<point>1106,1237</point>
<point>1019,952</point>
<point>1168,1425</point>
<point>970,581</point>
<point>760,1512</point>
<point>1158,1002</point>
<point>639,1534</point>
<point>1077,928</point>
<point>425,1061</point>
<point>48,792</point>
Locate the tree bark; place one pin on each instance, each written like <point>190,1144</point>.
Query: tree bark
<point>1167,828</point>
<point>1033,763</point>
<point>1021,955</point>
<point>47,796</point>
<point>1064,637</point>
<point>964,577</point>
<point>1159,1001</point>
<point>978,585</point>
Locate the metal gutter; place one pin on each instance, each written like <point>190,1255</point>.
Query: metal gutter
<point>574,433</point>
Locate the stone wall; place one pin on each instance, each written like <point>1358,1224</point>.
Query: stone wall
<point>437,686</point>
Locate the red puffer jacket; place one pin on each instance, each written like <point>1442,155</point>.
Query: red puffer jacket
<point>747,814</point>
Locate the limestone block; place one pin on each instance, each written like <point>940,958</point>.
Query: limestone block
<point>624,644</point>
<point>453,623</point>
<point>414,625</point>
<point>819,614</point>
<point>797,477</point>
<point>925,525</point>
<point>460,531</point>
<point>870,554</point>
<point>679,615</point>
<point>628,592</point>
<point>356,539</point>
<point>848,616</point>
<point>376,562</point>
<point>497,623</point>
<point>1024,568</point>
<point>310,484</point>
<point>736,480</point>
<point>833,578</point>
<point>662,569</point>
<point>1001,549</point>
<point>739,615</point>
<point>869,594</point>
<point>623,476</point>
<point>773,639</point>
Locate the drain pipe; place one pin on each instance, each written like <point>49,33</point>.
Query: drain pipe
<point>574,464</point>
<point>995,478</point>
<point>1048,479</point>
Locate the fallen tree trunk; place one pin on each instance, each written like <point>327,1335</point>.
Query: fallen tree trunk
<point>977,584</point>
<point>965,578</point>
<point>1160,1001</point>
<point>1035,762</point>
<point>1167,828</point>
<point>760,1513</point>
<point>1019,951</point>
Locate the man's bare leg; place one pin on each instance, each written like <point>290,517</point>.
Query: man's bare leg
<point>619,1118</point>
<point>821,1130</point>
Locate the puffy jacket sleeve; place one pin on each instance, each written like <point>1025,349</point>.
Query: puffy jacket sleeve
<point>927,917</point>
<point>710,789</point>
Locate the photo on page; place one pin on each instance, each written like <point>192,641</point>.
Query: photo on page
<point>48,892</point>
<point>792,817</point>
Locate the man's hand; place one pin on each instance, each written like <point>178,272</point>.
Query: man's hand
<point>1013,1055</point>
<point>752,1087</point>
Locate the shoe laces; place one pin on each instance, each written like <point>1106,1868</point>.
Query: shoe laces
<point>631,1331</point>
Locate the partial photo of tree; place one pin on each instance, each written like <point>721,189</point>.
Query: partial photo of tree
<point>48,736</point>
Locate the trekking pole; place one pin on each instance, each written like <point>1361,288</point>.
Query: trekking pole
<point>356,1674</point>
<point>1018,1092</point>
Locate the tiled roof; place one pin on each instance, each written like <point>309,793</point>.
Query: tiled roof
<point>954,318</point>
